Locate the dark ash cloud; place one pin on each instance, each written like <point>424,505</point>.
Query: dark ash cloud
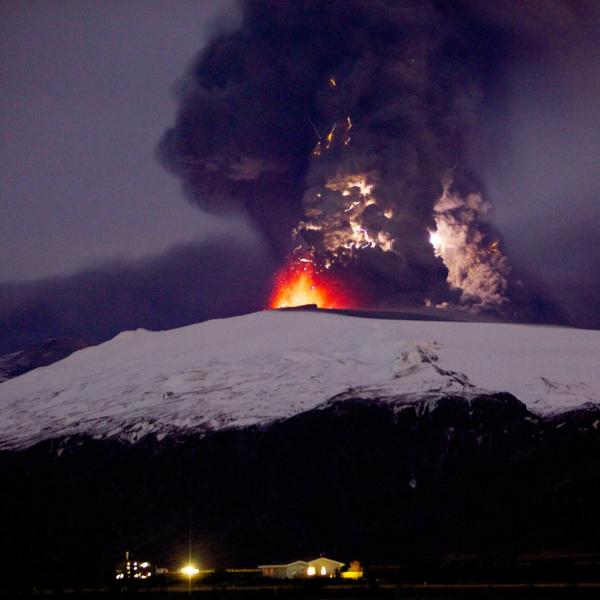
<point>254,103</point>
<point>276,117</point>
<point>189,283</point>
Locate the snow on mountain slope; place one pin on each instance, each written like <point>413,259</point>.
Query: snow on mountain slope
<point>268,365</point>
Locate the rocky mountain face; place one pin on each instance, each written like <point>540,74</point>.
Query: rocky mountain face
<point>383,482</point>
<point>40,355</point>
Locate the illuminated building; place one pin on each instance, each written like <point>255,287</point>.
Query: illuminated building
<point>352,574</point>
<point>354,571</point>
<point>133,569</point>
<point>318,567</point>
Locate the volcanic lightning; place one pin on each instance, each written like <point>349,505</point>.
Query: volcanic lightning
<point>345,230</point>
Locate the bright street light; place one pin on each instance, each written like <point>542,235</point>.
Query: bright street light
<point>190,570</point>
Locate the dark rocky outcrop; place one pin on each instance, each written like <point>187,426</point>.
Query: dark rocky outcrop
<point>385,482</point>
<point>39,355</point>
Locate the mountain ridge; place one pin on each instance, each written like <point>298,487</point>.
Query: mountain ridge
<point>271,365</point>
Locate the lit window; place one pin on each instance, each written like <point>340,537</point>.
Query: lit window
<point>323,571</point>
<point>311,571</point>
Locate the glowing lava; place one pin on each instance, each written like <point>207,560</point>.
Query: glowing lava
<point>299,283</point>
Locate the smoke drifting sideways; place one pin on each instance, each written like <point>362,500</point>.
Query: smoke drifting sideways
<point>343,128</point>
<point>190,283</point>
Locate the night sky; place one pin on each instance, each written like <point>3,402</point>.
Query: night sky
<point>155,157</point>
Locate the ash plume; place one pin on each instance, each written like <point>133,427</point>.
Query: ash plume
<point>184,285</point>
<point>344,128</point>
<point>476,265</point>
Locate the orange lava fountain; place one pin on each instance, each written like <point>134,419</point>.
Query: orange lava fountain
<point>299,283</point>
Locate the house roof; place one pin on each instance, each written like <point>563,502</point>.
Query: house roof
<point>278,566</point>
<point>305,563</point>
<point>337,562</point>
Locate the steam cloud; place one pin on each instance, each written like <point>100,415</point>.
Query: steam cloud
<point>475,267</point>
<point>344,127</point>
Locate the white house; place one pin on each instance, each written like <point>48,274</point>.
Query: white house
<point>318,567</point>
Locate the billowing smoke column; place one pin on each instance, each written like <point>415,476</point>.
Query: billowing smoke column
<point>340,126</point>
<point>476,266</point>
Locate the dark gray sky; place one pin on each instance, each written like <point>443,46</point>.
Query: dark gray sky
<point>86,95</point>
<point>544,178</point>
<point>545,181</point>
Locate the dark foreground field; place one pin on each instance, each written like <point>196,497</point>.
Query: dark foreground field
<point>479,491</point>
<point>337,592</point>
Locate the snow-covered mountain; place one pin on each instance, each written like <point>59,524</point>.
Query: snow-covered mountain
<point>271,365</point>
